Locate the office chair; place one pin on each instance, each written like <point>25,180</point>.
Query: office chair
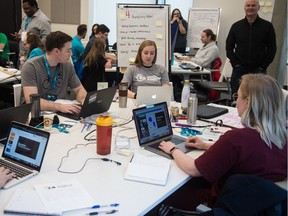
<point>13,54</point>
<point>222,86</point>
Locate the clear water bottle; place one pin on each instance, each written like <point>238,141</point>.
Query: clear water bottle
<point>185,95</point>
<point>192,108</point>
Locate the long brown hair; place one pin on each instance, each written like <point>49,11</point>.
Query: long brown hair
<point>34,41</point>
<point>138,61</point>
<point>97,48</point>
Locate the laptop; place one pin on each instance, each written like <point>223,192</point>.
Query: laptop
<point>19,114</point>
<point>153,126</point>
<point>154,94</point>
<point>95,102</point>
<point>24,151</point>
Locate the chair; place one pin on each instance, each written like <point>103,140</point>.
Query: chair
<point>13,54</point>
<point>17,91</point>
<point>222,86</point>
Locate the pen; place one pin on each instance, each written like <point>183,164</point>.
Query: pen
<point>83,128</point>
<point>105,212</point>
<point>188,125</point>
<point>109,205</point>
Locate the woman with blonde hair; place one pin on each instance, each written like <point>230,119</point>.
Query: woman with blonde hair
<point>260,148</point>
<point>145,71</point>
<point>94,65</point>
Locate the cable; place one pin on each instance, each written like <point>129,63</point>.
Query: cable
<point>77,171</point>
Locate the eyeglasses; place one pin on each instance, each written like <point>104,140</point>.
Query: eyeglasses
<point>235,96</point>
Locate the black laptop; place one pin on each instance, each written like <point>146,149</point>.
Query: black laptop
<point>95,102</point>
<point>153,126</point>
<point>18,114</point>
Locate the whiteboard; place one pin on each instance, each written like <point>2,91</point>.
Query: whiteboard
<point>139,22</point>
<point>200,19</point>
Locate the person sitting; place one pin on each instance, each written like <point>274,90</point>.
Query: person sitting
<point>77,46</point>
<point>34,45</point>
<point>145,71</point>
<point>208,53</point>
<point>94,65</point>
<point>261,106</point>
<point>93,32</point>
<point>4,47</point>
<point>53,76</point>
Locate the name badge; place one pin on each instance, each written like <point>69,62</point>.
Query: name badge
<point>51,97</point>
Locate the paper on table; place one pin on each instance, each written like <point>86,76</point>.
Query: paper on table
<point>27,202</point>
<point>64,196</point>
<point>148,169</point>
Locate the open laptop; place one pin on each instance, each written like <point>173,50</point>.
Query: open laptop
<point>19,114</point>
<point>154,94</point>
<point>153,126</point>
<point>24,151</point>
<point>95,102</point>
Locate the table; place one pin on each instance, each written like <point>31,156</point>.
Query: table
<point>103,180</point>
<point>176,69</point>
<point>8,75</point>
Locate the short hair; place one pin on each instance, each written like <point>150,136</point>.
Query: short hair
<point>266,110</point>
<point>210,33</point>
<point>32,3</point>
<point>102,28</point>
<point>81,29</point>
<point>57,40</point>
<point>138,61</point>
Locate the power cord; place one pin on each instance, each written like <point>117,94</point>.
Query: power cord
<point>75,147</point>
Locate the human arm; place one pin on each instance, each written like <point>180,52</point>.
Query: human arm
<point>196,142</point>
<point>111,57</point>
<point>205,56</point>
<point>271,47</point>
<point>108,63</point>
<point>5,176</point>
<point>49,105</point>
<point>230,46</point>
<point>183,161</point>
<point>80,93</point>
<point>182,24</point>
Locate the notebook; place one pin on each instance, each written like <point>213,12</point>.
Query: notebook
<point>25,149</point>
<point>153,126</point>
<point>207,112</point>
<point>95,102</point>
<point>19,114</point>
<point>154,94</point>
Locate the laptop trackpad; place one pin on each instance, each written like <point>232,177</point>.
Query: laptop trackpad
<point>180,142</point>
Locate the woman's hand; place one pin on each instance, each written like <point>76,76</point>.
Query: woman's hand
<point>166,146</point>
<point>196,142</point>
<point>5,176</point>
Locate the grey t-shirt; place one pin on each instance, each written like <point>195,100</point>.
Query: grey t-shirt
<point>34,73</point>
<point>156,75</point>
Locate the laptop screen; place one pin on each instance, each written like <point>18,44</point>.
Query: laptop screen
<point>26,145</point>
<point>152,122</point>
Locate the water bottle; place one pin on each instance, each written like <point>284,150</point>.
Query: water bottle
<point>35,110</point>
<point>192,108</point>
<point>104,134</point>
<point>185,95</point>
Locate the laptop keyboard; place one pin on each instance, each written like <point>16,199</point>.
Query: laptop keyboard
<point>19,171</point>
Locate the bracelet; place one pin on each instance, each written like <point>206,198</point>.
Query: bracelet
<point>173,149</point>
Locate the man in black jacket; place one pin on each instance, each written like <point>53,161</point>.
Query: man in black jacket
<point>250,44</point>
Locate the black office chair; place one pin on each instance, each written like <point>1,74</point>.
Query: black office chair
<point>13,55</point>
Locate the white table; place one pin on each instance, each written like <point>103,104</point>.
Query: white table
<point>8,75</point>
<point>176,69</point>
<point>103,180</point>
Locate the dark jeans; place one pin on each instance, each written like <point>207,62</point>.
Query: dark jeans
<point>238,72</point>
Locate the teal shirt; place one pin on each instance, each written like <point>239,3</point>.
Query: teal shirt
<point>4,40</point>
<point>77,48</point>
<point>35,52</point>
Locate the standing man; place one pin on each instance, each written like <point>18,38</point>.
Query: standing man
<point>250,44</point>
<point>77,46</point>
<point>53,76</point>
<point>35,21</point>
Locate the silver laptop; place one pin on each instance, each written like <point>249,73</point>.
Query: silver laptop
<point>19,114</point>
<point>95,102</point>
<point>153,126</point>
<point>24,152</point>
<point>154,94</point>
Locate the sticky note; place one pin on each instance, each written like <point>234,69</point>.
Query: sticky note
<point>268,3</point>
<point>158,23</point>
<point>122,16</point>
<point>159,36</point>
<point>261,3</point>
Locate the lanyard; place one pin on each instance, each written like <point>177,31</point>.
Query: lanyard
<point>52,81</point>
<point>28,19</point>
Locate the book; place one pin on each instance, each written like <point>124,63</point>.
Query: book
<point>148,169</point>
<point>27,202</point>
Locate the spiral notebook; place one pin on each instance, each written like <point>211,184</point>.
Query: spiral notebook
<point>27,202</point>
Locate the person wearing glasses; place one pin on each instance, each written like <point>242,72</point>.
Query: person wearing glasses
<point>178,31</point>
<point>260,148</point>
<point>52,75</point>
